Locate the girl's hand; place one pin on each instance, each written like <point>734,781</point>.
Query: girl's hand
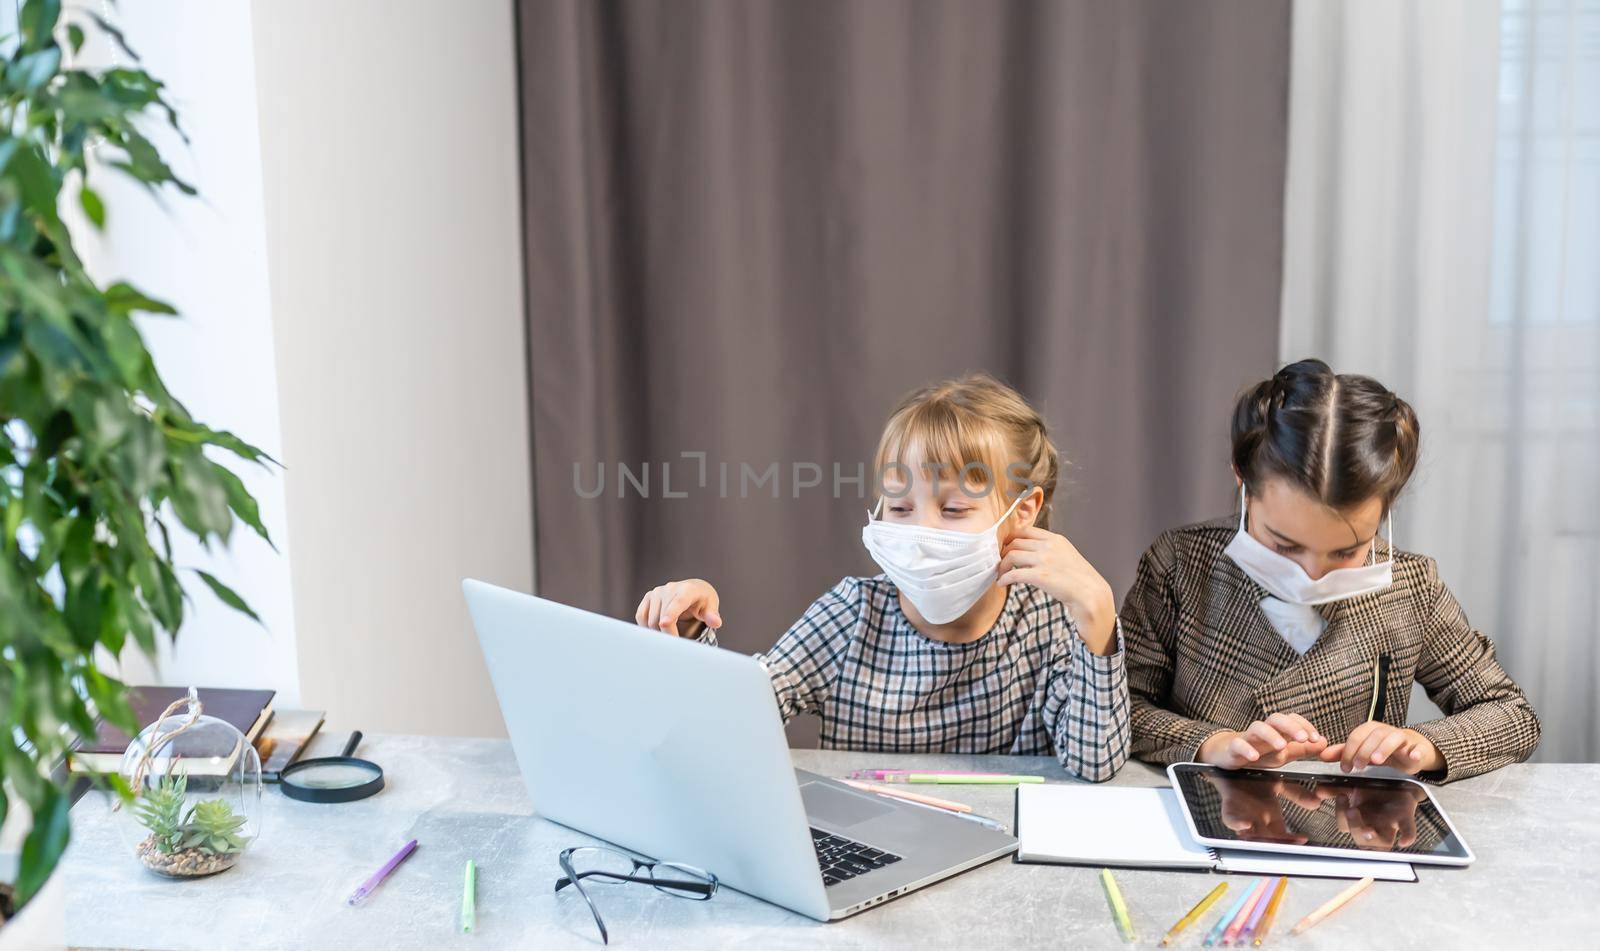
<point>1049,562</point>
<point>1265,744</point>
<point>1380,744</point>
<point>679,607</point>
<point>1254,810</point>
<point>1382,819</point>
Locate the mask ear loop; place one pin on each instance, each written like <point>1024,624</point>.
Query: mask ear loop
<point>1388,517</point>
<point>1014,503</point>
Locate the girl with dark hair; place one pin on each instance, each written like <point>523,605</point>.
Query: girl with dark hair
<point>1295,629</point>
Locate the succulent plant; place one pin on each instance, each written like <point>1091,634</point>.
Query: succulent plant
<point>213,827</point>
<point>160,809</point>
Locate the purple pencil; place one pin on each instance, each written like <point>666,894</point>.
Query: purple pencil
<point>1255,916</point>
<point>367,886</point>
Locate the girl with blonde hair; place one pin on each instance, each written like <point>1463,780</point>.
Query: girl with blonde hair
<point>985,633</point>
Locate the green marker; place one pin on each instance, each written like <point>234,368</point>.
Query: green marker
<point>469,899</point>
<point>1119,909</point>
<point>970,779</point>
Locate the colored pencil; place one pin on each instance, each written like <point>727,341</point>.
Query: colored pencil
<point>966,779</point>
<point>1194,913</point>
<point>1119,908</point>
<point>1255,916</point>
<point>1272,911</point>
<point>909,796</point>
<point>1334,904</point>
<point>1244,913</point>
<point>377,877</point>
<point>1222,923</point>
<point>890,774</point>
<point>469,899</point>
<point>984,821</point>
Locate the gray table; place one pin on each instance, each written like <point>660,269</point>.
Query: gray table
<point>1535,884</point>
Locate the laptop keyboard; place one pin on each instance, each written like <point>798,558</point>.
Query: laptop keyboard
<point>841,858</point>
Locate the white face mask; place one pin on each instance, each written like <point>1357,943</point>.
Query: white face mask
<point>1285,580</point>
<point>944,572</point>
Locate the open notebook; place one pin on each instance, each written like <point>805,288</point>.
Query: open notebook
<point>1104,825</point>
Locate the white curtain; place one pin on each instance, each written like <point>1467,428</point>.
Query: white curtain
<point>1442,233</point>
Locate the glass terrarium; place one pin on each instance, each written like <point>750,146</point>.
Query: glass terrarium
<point>196,782</point>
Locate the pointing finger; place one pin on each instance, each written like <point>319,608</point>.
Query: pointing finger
<point>1290,725</point>
<point>1266,734</point>
<point>1387,746</point>
<point>673,610</point>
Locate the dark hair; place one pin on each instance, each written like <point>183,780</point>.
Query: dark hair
<point>1343,438</point>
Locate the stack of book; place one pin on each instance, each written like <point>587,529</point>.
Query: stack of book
<point>279,738</point>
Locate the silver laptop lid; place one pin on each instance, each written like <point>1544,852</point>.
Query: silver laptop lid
<point>670,748</point>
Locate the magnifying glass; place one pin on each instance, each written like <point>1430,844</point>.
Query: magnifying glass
<point>341,778</point>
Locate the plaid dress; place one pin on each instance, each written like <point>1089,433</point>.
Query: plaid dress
<point>1030,686</point>
<point>1202,657</point>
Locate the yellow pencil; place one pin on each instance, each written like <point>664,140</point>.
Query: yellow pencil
<point>1194,913</point>
<point>1118,909</point>
<point>1272,910</point>
<point>1334,904</point>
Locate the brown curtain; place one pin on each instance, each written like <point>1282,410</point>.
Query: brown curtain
<point>751,226</point>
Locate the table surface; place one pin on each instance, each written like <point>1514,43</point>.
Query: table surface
<point>1536,883</point>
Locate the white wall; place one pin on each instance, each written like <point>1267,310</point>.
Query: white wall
<point>352,297</point>
<point>208,258</point>
<point>389,154</point>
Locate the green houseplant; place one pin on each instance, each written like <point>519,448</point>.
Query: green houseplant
<point>99,463</point>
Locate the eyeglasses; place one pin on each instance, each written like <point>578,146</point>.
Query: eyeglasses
<point>602,866</point>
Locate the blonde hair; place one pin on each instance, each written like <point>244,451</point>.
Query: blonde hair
<point>975,429</point>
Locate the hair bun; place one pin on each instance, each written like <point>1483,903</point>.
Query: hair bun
<point>1277,392</point>
<point>1342,438</point>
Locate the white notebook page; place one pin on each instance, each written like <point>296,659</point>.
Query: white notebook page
<point>1104,825</point>
<point>1144,827</point>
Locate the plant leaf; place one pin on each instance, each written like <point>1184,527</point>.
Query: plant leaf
<point>95,452</point>
<point>242,502</point>
<point>29,72</point>
<point>198,497</point>
<point>227,595</point>
<point>37,20</point>
<point>46,840</point>
<point>113,32</point>
<point>124,298</point>
<point>93,207</point>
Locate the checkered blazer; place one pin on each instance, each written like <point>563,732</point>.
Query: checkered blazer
<point>1030,686</point>
<point>1202,657</point>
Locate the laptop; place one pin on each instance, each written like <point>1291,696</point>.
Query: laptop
<point>675,750</point>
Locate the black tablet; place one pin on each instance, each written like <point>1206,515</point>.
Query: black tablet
<point>1332,814</point>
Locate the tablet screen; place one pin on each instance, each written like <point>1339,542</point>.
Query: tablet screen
<point>1326,811</point>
